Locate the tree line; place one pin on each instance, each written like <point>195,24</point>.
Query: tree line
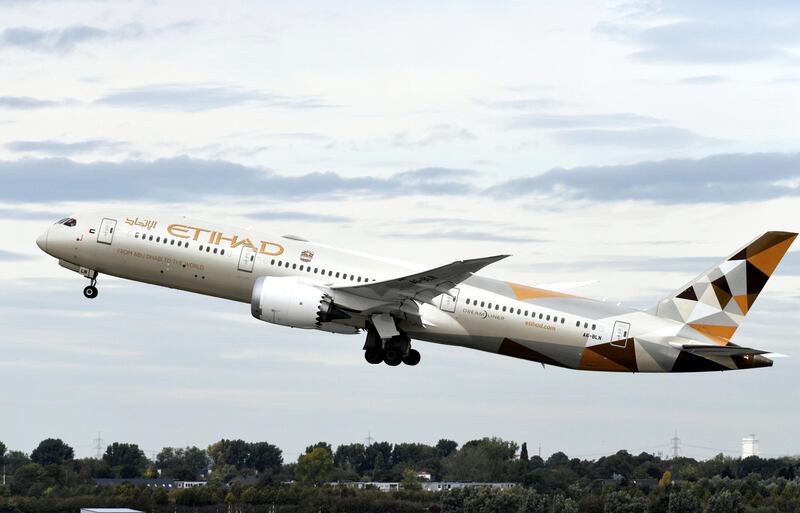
<point>253,476</point>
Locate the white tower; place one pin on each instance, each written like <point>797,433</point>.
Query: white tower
<point>750,446</point>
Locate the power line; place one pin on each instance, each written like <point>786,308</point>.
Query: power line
<point>98,447</point>
<point>676,446</point>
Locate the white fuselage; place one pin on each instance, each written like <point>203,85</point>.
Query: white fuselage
<point>225,261</point>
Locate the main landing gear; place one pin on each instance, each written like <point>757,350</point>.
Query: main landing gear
<point>90,292</point>
<point>392,351</point>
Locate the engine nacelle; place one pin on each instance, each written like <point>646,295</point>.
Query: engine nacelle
<point>289,302</point>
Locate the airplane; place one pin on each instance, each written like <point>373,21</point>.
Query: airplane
<point>290,281</point>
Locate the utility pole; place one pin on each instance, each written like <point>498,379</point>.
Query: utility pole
<point>369,440</point>
<point>98,445</point>
<point>676,446</point>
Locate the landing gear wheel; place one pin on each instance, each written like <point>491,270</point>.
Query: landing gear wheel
<point>90,292</point>
<point>412,358</point>
<point>373,355</point>
<point>392,356</point>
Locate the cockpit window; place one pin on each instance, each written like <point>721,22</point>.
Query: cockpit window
<point>70,222</point>
<point>61,221</point>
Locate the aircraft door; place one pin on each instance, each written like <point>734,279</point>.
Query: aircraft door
<point>619,337</point>
<point>448,303</point>
<point>106,232</point>
<point>247,259</point>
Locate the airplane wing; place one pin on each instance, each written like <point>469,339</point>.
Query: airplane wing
<point>715,350</point>
<point>422,286</point>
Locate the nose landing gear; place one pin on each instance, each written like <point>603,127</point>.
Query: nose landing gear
<point>90,292</point>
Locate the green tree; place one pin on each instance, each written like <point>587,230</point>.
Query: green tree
<point>264,456</point>
<point>314,468</point>
<point>622,502</point>
<point>523,452</point>
<point>445,448</point>
<point>725,501</point>
<point>52,451</point>
<point>185,464</point>
<point>409,481</point>
<point>682,501</point>
<point>26,477</point>
<point>127,460</point>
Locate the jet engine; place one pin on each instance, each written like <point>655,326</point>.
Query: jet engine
<point>290,302</point>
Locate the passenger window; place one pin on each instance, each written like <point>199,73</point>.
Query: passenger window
<point>208,249</point>
<point>165,240</point>
<point>294,266</point>
<point>519,311</point>
<point>344,276</point>
<point>593,326</point>
<point>526,313</point>
<point>301,267</point>
<point>271,262</point>
<point>201,247</point>
<point>151,237</point>
<point>221,251</point>
<point>467,300</point>
<point>490,306</point>
<point>337,274</point>
<point>316,269</point>
<point>562,320</point>
<point>497,307</point>
<point>158,239</point>
<point>359,279</point>
<point>540,316</point>
<point>330,273</point>
<point>351,277</point>
<point>578,324</point>
<point>215,251</point>
<point>504,308</point>
<point>585,325</point>
<point>172,242</point>
<point>548,318</point>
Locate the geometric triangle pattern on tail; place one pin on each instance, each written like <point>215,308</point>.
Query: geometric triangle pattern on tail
<point>717,301</point>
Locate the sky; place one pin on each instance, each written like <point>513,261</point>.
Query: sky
<point>635,143</point>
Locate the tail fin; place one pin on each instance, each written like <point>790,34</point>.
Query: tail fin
<point>716,302</point>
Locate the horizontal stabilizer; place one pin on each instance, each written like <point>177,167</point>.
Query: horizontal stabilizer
<point>717,350</point>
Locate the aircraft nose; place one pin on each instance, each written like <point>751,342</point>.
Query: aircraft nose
<point>41,241</point>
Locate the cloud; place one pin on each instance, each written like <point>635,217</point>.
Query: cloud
<point>30,215</point>
<point>789,266</point>
<point>311,217</point>
<point>519,104</point>
<point>648,137</point>
<point>65,39</point>
<point>184,178</point>
<point>27,103</point>
<point>468,235</point>
<point>8,256</point>
<point>58,148</point>
<point>704,79</point>
<point>711,32</point>
<point>715,179</point>
<point>580,120</point>
<point>437,134</point>
<point>201,97</point>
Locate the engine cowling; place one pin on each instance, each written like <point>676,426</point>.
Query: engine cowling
<point>288,301</point>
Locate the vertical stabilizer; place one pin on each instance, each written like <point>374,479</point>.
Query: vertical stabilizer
<point>716,302</point>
